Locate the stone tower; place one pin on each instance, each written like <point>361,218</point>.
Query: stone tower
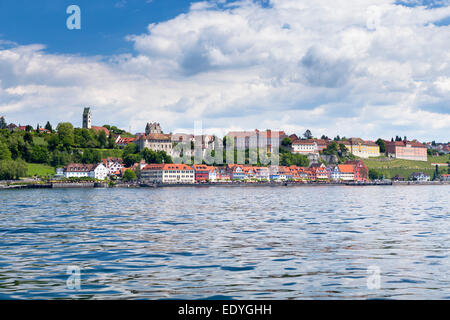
<point>87,118</point>
<point>153,128</point>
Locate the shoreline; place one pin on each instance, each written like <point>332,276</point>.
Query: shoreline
<point>104,185</point>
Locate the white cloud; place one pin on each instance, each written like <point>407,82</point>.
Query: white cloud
<point>352,68</point>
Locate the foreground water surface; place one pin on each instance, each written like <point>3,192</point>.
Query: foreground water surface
<point>226,243</point>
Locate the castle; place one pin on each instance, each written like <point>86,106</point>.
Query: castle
<point>153,128</point>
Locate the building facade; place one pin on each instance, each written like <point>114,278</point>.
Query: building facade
<point>168,173</point>
<point>408,150</point>
<point>265,140</point>
<point>201,173</point>
<point>155,142</point>
<point>360,171</point>
<point>346,172</point>
<point>80,170</point>
<point>420,176</point>
<point>114,166</point>
<point>305,147</point>
<point>363,148</point>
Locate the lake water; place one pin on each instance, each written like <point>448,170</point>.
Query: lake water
<point>226,242</point>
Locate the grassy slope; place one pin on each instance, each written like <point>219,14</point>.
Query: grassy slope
<point>115,153</point>
<point>39,169</point>
<point>405,167</point>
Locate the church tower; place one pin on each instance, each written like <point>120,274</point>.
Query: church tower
<point>87,118</point>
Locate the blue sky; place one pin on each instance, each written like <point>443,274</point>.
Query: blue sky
<point>374,68</point>
<point>105,23</point>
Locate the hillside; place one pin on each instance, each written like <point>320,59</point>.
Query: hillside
<point>391,167</point>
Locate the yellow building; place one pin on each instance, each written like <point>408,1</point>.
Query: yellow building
<point>362,149</point>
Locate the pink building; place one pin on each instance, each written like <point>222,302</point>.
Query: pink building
<point>408,150</point>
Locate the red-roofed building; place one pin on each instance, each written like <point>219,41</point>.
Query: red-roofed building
<point>201,173</point>
<point>114,165</point>
<point>346,172</point>
<point>99,129</point>
<point>305,147</point>
<point>320,172</point>
<point>321,144</point>
<point>223,174</point>
<point>408,150</point>
<point>123,142</point>
<point>360,171</point>
<point>168,173</point>
<point>79,170</point>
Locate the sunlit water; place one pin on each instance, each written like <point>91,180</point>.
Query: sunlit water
<point>226,242</point>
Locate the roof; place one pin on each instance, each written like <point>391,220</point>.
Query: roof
<point>321,141</point>
<point>125,140</point>
<point>414,144</point>
<point>100,129</point>
<point>80,167</point>
<point>182,137</point>
<point>155,136</point>
<point>304,142</point>
<point>167,166</point>
<point>200,167</point>
<point>345,168</point>
<point>418,174</point>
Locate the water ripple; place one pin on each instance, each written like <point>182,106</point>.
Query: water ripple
<point>226,243</point>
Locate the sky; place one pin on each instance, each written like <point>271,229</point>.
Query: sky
<point>369,69</point>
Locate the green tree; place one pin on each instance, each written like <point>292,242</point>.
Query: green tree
<point>286,142</point>
<point>52,142</point>
<point>130,148</point>
<point>65,134</point>
<point>102,139</point>
<point>3,124</point>
<point>28,137</point>
<point>5,153</point>
<point>129,175</point>
<point>308,134</point>
<point>48,126</point>
<point>130,159</point>
<point>380,142</point>
<point>343,149</point>
<point>39,154</point>
<point>331,149</point>
<point>12,169</point>
<point>436,173</point>
<point>111,142</point>
<point>374,174</point>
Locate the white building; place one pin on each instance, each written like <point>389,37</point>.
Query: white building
<point>346,172</point>
<point>155,142</point>
<point>305,147</point>
<point>262,173</point>
<point>168,173</point>
<point>79,170</point>
<point>114,165</point>
<point>420,176</point>
<point>213,174</point>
